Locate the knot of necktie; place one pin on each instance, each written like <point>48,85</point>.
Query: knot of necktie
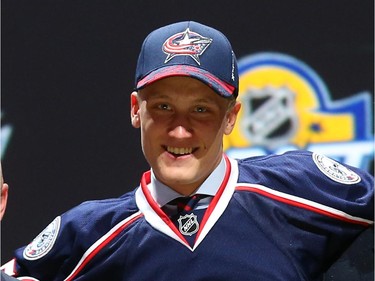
<point>187,204</point>
<point>186,214</point>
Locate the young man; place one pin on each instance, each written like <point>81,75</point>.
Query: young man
<point>197,214</point>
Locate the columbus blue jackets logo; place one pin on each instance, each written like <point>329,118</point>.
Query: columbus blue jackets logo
<point>286,106</point>
<point>188,224</point>
<point>186,43</point>
<point>43,243</point>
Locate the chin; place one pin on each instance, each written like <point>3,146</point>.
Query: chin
<point>178,176</point>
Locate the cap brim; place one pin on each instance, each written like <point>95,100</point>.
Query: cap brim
<point>222,88</point>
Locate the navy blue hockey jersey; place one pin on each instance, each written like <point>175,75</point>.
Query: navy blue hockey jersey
<point>280,217</point>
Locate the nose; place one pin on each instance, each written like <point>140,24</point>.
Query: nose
<point>180,132</point>
<point>180,125</point>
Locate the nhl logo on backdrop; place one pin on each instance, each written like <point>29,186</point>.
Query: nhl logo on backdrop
<point>188,224</point>
<point>186,43</point>
<point>287,106</point>
<point>270,118</point>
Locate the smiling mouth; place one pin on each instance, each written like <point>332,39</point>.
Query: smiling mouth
<point>179,151</point>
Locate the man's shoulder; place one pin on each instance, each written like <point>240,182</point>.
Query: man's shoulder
<point>293,158</point>
<point>97,210</point>
<point>290,154</point>
<point>126,200</point>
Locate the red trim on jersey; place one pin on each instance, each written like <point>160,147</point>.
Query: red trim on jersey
<point>301,205</point>
<point>216,198</point>
<point>146,178</point>
<point>101,246</point>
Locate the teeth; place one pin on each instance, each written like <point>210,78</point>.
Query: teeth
<point>179,150</point>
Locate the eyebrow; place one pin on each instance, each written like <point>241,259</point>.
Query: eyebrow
<point>167,97</point>
<point>204,100</point>
<point>161,96</point>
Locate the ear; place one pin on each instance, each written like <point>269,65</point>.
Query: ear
<point>3,199</point>
<point>232,117</point>
<point>134,110</point>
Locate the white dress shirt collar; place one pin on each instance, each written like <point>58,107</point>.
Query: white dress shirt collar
<point>163,194</point>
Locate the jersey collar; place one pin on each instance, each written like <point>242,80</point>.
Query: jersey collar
<point>155,216</point>
<point>162,194</point>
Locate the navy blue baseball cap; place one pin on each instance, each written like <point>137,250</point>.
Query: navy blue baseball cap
<point>189,49</point>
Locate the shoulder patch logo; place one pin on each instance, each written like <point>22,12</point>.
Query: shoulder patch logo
<point>43,243</point>
<point>335,170</point>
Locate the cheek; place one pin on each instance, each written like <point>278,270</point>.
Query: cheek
<point>213,133</point>
<point>146,142</point>
<point>150,132</point>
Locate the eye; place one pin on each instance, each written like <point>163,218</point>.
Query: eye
<point>200,109</point>
<point>164,106</point>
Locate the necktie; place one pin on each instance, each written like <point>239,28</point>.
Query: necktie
<point>186,215</point>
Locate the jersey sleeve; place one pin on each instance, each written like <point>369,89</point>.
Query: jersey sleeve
<point>54,253</point>
<point>335,185</point>
<point>317,180</point>
<point>311,206</point>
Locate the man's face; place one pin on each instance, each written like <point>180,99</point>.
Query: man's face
<point>182,125</point>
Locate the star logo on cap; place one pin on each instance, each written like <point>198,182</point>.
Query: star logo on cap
<point>186,43</point>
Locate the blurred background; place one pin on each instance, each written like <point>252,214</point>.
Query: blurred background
<point>68,69</point>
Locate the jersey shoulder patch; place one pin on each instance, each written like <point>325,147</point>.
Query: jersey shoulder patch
<point>335,170</point>
<point>44,242</point>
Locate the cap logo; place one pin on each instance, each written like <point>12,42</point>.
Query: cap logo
<point>186,43</point>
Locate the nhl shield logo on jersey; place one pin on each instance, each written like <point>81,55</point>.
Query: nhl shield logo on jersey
<point>186,43</point>
<point>188,224</point>
<point>335,170</point>
<point>43,243</point>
